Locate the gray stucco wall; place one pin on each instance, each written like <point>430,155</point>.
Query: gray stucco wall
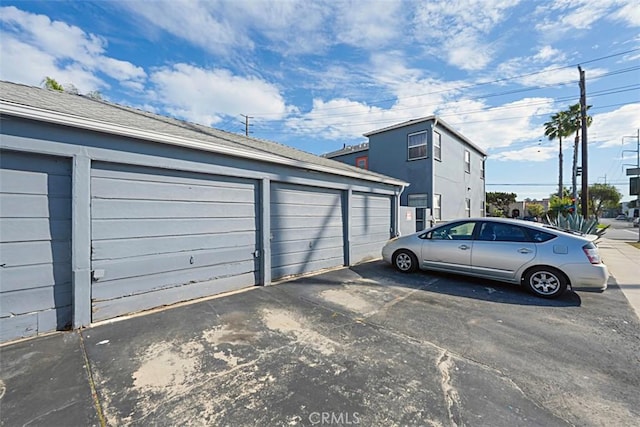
<point>452,181</point>
<point>388,154</point>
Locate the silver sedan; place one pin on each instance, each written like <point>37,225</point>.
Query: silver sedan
<point>544,259</point>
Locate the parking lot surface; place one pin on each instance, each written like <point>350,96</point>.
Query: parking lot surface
<point>365,345</point>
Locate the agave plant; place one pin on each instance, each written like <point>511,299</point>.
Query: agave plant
<point>576,222</point>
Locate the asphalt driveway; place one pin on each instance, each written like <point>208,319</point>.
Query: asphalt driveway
<point>365,345</point>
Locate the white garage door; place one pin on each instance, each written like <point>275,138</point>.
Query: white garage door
<point>306,229</point>
<point>162,236</point>
<point>35,244</point>
<point>370,225</point>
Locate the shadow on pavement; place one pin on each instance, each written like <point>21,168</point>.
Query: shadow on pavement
<point>461,286</point>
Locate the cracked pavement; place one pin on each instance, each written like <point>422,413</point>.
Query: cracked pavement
<point>364,345</point>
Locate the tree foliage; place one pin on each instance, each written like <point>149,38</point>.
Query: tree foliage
<point>500,200</point>
<point>535,209</point>
<point>602,196</point>
<point>51,84</point>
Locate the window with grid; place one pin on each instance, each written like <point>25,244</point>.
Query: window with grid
<point>467,207</point>
<point>437,146</point>
<point>417,144</point>
<point>437,210</point>
<point>467,161</point>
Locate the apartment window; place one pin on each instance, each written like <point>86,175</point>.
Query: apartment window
<point>483,208</point>
<point>418,200</point>
<point>417,144</point>
<point>467,161</point>
<point>467,207</point>
<point>437,210</point>
<point>437,145</point>
<point>362,162</point>
<point>482,169</point>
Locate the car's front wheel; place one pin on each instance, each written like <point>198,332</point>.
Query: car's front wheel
<point>545,282</point>
<point>405,261</point>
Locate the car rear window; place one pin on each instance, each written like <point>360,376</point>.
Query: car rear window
<point>540,236</point>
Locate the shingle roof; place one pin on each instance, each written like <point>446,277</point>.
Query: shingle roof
<point>83,108</point>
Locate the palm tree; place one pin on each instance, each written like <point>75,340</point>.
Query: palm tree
<point>574,124</point>
<point>556,128</point>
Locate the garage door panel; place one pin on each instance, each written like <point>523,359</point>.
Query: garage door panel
<point>302,222</point>
<point>157,235</point>
<point>130,228</point>
<point>35,244</point>
<point>156,282</point>
<point>29,182</point>
<point>109,188</point>
<point>34,276</point>
<point>136,247</point>
<point>40,252</point>
<point>35,206</point>
<point>155,264</point>
<point>306,229</point>
<point>33,229</point>
<point>371,225</point>
<point>301,257</point>
<point>118,307</point>
<point>140,173</point>
<point>304,245</point>
<point>115,209</point>
<point>311,235</point>
<point>36,299</point>
<point>305,210</point>
<point>290,194</point>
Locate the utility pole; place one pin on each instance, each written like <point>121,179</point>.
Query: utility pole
<point>584,200</point>
<point>246,123</point>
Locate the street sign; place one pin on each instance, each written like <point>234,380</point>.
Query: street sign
<point>634,187</point>
<point>633,171</point>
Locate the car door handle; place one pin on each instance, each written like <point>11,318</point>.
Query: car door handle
<point>525,251</point>
<point>463,247</point>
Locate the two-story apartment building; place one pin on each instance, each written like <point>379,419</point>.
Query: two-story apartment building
<point>446,171</point>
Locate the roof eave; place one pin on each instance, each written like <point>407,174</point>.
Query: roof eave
<point>48,116</point>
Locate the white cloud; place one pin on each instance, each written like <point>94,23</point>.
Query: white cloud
<point>33,47</point>
<point>564,16</point>
<point>528,154</point>
<point>607,129</point>
<point>497,127</point>
<point>205,95</point>
<point>462,28</point>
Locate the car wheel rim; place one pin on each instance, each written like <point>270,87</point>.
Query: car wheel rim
<point>545,283</point>
<point>403,261</point>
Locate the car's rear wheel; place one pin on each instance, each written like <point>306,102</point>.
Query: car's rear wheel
<point>545,282</point>
<point>405,261</point>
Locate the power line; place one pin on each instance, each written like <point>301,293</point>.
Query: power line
<point>500,80</point>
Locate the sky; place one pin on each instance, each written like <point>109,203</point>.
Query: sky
<point>318,74</point>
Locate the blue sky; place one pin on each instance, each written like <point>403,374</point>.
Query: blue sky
<point>318,74</point>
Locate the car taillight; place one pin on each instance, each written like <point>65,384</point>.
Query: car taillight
<point>591,251</point>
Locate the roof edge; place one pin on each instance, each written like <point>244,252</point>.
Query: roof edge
<point>437,120</point>
<point>33,113</point>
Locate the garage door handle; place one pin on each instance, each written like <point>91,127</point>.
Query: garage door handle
<point>463,247</point>
<point>525,251</point>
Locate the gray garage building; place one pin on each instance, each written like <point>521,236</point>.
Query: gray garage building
<point>107,210</point>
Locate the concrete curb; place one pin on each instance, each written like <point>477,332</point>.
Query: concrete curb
<point>623,261</point>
